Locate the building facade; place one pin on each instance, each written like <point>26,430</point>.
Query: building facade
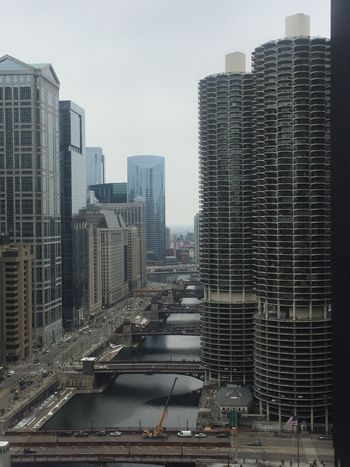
<point>95,166</point>
<point>111,192</point>
<point>340,224</point>
<point>30,181</point>
<point>134,214</point>
<point>146,180</point>
<point>87,269</point>
<point>15,301</point>
<point>196,238</point>
<point>73,197</point>
<point>225,147</point>
<point>293,359</point>
<point>108,234</point>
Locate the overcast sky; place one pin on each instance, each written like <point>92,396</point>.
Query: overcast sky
<point>134,66</point>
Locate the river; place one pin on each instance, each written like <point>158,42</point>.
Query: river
<point>138,400</point>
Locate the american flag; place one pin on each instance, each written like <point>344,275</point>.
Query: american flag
<point>292,421</point>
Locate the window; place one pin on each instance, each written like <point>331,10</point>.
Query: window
<point>26,161</point>
<point>26,138</point>
<point>27,184</point>
<point>8,94</point>
<point>26,114</point>
<point>25,92</point>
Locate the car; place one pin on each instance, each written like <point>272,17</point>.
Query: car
<point>64,433</point>
<point>326,436</point>
<point>222,435</point>
<point>254,442</point>
<point>200,435</point>
<point>81,434</point>
<point>10,373</point>
<point>115,433</point>
<point>29,451</point>
<point>100,433</point>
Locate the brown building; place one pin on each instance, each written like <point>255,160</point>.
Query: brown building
<point>15,301</point>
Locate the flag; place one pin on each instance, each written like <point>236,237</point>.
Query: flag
<point>292,421</point>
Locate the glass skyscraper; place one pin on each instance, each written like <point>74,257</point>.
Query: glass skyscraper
<point>146,180</point>
<point>95,166</point>
<point>30,181</point>
<point>73,198</point>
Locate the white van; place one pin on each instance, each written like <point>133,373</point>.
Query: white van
<point>184,434</point>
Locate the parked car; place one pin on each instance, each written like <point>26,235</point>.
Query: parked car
<point>100,433</point>
<point>115,433</point>
<point>254,442</point>
<point>10,373</point>
<point>326,436</point>
<point>200,435</point>
<point>81,434</point>
<point>29,451</point>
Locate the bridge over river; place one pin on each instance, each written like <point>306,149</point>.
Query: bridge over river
<point>182,367</point>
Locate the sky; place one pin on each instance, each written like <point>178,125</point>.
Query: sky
<point>134,66</point>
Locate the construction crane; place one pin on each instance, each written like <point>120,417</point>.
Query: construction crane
<point>158,430</point>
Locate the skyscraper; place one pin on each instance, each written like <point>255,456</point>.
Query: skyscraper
<point>340,170</point>
<point>293,373</point>
<point>225,147</point>
<point>95,166</point>
<point>73,198</point>
<point>146,180</point>
<point>30,183</point>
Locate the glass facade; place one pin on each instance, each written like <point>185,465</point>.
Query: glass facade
<point>95,166</point>
<point>73,198</point>
<point>146,181</point>
<point>30,181</point>
<point>111,192</point>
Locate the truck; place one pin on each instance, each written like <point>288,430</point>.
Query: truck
<point>184,434</point>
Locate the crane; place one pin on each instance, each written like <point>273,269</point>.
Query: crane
<point>158,430</point>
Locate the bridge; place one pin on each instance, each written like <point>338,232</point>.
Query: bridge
<point>181,309</point>
<point>156,329</point>
<point>61,447</point>
<point>190,368</point>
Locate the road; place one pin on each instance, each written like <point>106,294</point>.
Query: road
<point>272,448</point>
<point>72,347</point>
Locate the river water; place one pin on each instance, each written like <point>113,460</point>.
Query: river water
<point>138,400</point>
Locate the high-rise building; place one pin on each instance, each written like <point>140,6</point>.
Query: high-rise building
<point>225,147</point>
<point>111,192</point>
<point>95,166</point>
<point>293,358</point>
<point>87,269</point>
<point>73,197</point>
<point>134,215</point>
<point>196,238</point>
<point>146,180</point>
<point>340,228</point>
<point>15,301</point>
<point>114,252</point>
<point>30,181</point>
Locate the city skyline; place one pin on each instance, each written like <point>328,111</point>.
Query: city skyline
<point>171,49</point>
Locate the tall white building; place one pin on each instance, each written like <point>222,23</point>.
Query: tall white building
<point>30,181</point>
